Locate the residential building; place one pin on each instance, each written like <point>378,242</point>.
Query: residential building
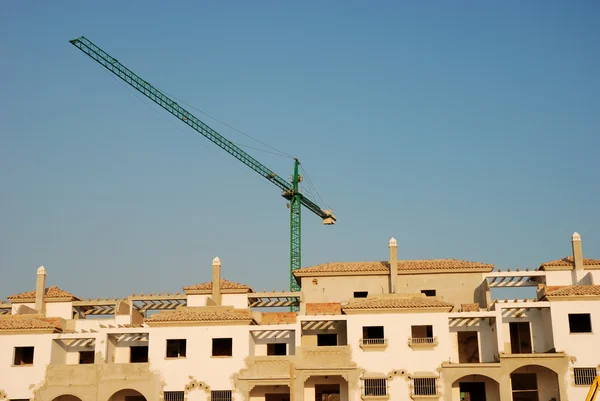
<point>394,329</point>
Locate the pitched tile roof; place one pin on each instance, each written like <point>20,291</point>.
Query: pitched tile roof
<point>29,322</point>
<point>344,267</point>
<point>575,290</point>
<point>404,266</point>
<point>202,314</point>
<point>52,292</point>
<point>397,303</point>
<point>568,261</point>
<point>226,286</point>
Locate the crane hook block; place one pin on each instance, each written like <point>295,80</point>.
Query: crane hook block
<point>329,219</point>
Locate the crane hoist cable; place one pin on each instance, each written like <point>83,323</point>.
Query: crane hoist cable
<point>290,191</point>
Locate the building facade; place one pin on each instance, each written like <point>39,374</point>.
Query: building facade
<point>384,330</point>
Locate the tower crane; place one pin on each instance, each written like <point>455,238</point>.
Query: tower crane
<point>290,191</point>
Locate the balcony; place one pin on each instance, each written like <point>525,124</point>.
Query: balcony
<point>267,367</point>
<point>326,357</point>
<point>373,344</point>
<point>422,342</point>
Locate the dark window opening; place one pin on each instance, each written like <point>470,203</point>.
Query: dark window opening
<point>472,391</point>
<point>23,356</point>
<point>373,332</point>
<point>139,354</point>
<point>222,347</point>
<point>468,347</point>
<point>325,340</point>
<point>86,357</point>
<point>523,381</point>
<point>361,294</point>
<point>428,293</point>
<point>520,338</point>
<point>176,348</point>
<point>277,349</point>
<point>422,331</point>
<point>580,323</point>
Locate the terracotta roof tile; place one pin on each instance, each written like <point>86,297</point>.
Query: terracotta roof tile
<point>201,314</point>
<point>381,267</point>
<point>325,308</point>
<point>29,322</point>
<point>568,261</point>
<point>397,303</point>
<point>441,265</point>
<point>226,286</point>
<point>51,292</point>
<point>575,290</point>
<point>344,267</point>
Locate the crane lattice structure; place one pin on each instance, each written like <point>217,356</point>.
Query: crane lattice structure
<point>290,191</point>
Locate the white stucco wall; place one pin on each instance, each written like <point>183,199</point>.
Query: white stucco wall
<point>559,277</point>
<point>199,362</point>
<point>59,309</point>
<point>17,380</point>
<point>341,288</point>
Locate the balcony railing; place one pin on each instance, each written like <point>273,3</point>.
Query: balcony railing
<point>422,342</point>
<point>374,341</point>
<point>373,344</point>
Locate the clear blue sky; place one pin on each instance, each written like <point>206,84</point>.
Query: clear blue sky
<point>464,129</point>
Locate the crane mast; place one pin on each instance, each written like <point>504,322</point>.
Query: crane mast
<point>290,191</point>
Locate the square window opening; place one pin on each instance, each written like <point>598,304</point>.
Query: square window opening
<point>86,357</point>
<point>375,387</point>
<point>23,356</point>
<point>222,347</point>
<point>422,331</point>
<point>277,349</point>
<point>138,354</point>
<point>580,323</point>
<point>176,348</point>
<point>361,294</point>
<point>584,376</point>
<point>425,385</point>
<point>327,340</point>
<point>373,335</point>
<point>428,293</point>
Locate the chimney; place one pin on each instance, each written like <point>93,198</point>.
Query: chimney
<point>40,289</point>
<point>577,252</point>
<point>393,264</point>
<point>216,281</point>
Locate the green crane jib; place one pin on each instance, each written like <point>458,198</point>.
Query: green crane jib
<point>289,191</point>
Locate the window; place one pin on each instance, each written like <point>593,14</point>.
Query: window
<point>425,386</point>
<point>580,323</point>
<point>422,334</point>
<point>173,396</point>
<point>324,340</point>
<point>428,293</point>
<point>375,387</point>
<point>86,357</point>
<point>520,338</point>
<point>138,354</point>
<point>220,395</point>
<point>373,335</point>
<point>222,347</point>
<point>23,356</point>
<point>176,348</point>
<point>584,376</point>
<point>361,294</point>
<point>277,349</point>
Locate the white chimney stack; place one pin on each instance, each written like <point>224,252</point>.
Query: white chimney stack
<point>393,260</point>
<point>40,289</point>
<point>577,251</point>
<point>216,281</point>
